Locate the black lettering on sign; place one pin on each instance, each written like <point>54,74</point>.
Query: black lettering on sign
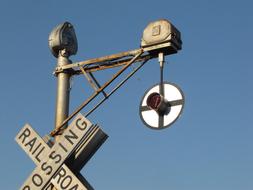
<point>26,188</point>
<point>81,124</point>
<point>36,149</point>
<point>66,182</point>
<point>56,157</point>
<point>45,167</point>
<point>60,174</point>
<point>72,136</point>
<point>37,156</point>
<point>37,180</point>
<point>61,145</point>
<point>26,133</point>
<point>31,143</point>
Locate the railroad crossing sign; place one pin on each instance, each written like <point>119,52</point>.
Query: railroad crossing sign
<point>160,111</point>
<point>78,142</point>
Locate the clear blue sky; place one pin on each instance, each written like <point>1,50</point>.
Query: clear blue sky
<point>209,147</point>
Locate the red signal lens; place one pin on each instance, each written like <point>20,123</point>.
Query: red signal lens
<point>154,100</point>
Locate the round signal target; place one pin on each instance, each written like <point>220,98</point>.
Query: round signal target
<point>161,105</point>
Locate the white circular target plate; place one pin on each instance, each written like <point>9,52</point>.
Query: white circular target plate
<point>175,102</point>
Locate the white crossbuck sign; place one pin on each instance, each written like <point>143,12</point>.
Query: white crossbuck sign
<point>78,142</point>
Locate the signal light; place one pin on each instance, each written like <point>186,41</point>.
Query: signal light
<point>160,110</point>
<point>154,100</point>
<point>158,103</point>
<point>63,37</point>
<point>164,34</point>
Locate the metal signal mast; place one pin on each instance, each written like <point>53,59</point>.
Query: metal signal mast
<point>160,38</point>
<point>59,161</point>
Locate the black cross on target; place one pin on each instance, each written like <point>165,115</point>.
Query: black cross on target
<point>161,105</point>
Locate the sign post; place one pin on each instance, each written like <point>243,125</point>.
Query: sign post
<point>63,89</point>
<point>63,78</point>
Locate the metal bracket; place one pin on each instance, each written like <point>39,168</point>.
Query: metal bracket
<point>118,59</point>
<point>98,85</point>
<point>96,93</point>
<point>89,79</point>
<point>60,70</point>
<point>92,80</point>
